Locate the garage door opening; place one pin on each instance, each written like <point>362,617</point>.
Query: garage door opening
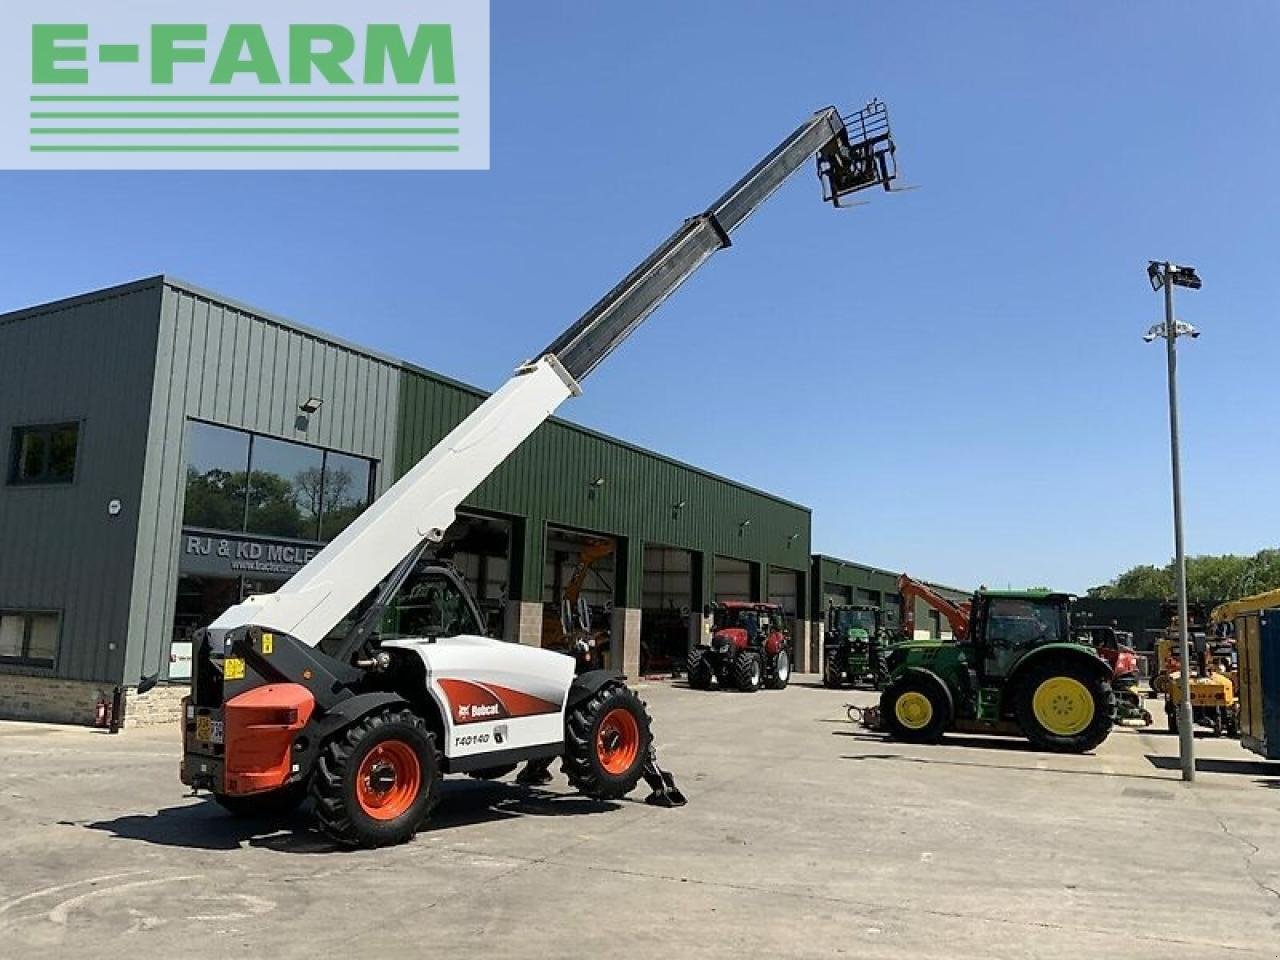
<point>734,579</point>
<point>666,606</point>
<point>578,589</point>
<point>480,547</point>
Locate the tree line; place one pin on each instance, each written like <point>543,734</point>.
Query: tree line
<point>1210,579</point>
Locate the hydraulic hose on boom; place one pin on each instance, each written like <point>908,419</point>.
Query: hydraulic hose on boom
<point>853,154</point>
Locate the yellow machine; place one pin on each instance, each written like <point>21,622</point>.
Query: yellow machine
<point>1213,685</point>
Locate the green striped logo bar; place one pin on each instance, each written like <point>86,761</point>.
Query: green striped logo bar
<point>387,84</point>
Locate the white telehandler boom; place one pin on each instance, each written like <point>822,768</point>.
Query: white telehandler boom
<point>367,721</point>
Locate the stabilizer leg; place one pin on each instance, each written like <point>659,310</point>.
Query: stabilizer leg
<point>663,784</point>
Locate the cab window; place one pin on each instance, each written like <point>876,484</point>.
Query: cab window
<point>428,604</point>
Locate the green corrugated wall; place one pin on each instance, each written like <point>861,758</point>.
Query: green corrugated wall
<point>549,480</point>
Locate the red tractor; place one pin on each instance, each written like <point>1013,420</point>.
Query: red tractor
<point>1116,647</point>
<point>750,648</point>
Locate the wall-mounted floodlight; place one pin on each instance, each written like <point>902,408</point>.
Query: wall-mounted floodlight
<point>680,506</point>
<point>310,405</point>
<point>744,524</point>
<point>597,483</point>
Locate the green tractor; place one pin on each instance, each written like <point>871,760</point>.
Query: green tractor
<point>1016,669</point>
<point>856,642</point>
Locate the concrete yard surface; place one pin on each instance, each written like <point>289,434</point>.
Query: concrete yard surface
<point>804,837</point>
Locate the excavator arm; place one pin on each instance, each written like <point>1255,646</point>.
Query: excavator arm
<point>851,154</point>
<point>956,614</point>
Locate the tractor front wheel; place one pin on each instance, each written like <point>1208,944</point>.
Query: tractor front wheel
<point>606,743</point>
<point>1065,706</point>
<point>832,674</point>
<point>780,674</point>
<point>748,671</point>
<point>377,781</point>
<point>914,710</point>
<point>700,672</point>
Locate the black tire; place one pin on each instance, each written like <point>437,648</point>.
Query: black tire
<point>1233,727</point>
<point>1171,716</point>
<point>493,773</point>
<point>832,674</point>
<point>336,786</point>
<point>274,803</point>
<point>700,672</point>
<point>780,670</point>
<point>931,725</point>
<point>595,765</point>
<point>1098,687</point>
<point>747,671</point>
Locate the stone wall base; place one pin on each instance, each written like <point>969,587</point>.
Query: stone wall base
<point>52,700</point>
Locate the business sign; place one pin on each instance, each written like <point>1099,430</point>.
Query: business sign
<point>242,84</point>
<point>229,555</point>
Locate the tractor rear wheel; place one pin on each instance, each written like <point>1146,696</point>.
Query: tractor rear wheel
<point>377,781</point>
<point>748,671</point>
<point>914,710</point>
<point>700,672</point>
<point>274,803</point>
<point>780,672</point>
<point>1064,706</point>
<point>606,743</point>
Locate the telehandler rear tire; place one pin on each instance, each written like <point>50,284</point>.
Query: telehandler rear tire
<point>1064,706</point>
<point>607,739</point>
<point>832,673</point>
<point>914,710</point>
<point>377,781</point>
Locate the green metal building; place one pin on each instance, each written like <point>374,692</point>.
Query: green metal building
<point>169,451</point>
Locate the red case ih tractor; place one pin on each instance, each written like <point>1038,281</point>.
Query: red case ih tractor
<point>750,648</point>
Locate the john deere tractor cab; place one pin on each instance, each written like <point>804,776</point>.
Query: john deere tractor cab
<point>750,648</point>
<point>1019,670</point>
<point>856,642</point>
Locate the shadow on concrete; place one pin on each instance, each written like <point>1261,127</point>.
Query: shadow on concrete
<point>943,761</point>
<point>1007,744</point>
<point>204,825</point>
<point>1256,768</point>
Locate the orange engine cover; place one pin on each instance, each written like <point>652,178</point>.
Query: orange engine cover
<point>261,725</point>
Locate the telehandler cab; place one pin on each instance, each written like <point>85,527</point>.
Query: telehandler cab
<point>1017,670</point>
<point>366,716</point>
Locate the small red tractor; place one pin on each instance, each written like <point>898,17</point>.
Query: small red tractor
<point>1116,647</point>
<point>750,648</point>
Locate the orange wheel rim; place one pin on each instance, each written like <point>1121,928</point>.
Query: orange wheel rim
<point>618,741</point>
<point>389,779</point>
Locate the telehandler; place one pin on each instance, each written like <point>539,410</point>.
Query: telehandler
<point>286,701</point>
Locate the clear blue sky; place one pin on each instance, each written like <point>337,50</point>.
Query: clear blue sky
<point>953,378</point>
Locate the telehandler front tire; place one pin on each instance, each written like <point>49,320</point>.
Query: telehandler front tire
<point>606,743</point>
<point>377,781</point>
<point>1064,706</point>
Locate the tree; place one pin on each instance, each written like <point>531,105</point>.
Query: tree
<point>1210,579</point>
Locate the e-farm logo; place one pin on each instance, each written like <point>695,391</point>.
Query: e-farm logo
<point>234,84</point>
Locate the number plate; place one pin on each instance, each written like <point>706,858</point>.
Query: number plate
<point>208,729</point>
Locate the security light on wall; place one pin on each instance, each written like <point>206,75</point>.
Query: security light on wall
<point>744,524</point>
<point>311,404</point>
<point>680,506</point>
<point>596,483</point>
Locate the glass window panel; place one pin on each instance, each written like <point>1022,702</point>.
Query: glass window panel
<point>62,453</point>
<point>43,645</point>
<point>33,446</point>
<point>284,489</point>
<point>12,629</point>
<point>347,481</point>
<point>428,604</point>
<point>217,468</point>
